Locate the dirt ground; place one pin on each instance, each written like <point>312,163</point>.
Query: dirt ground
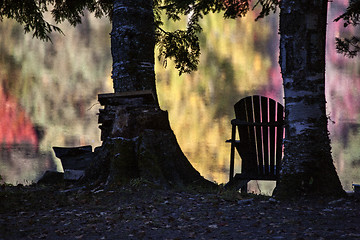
<point>141,211</point>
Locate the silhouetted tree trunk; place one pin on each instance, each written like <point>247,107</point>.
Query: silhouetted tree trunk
<point>307,166</point>
<point>139,141</point>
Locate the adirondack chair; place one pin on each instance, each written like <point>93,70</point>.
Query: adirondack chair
<point>259,121</point>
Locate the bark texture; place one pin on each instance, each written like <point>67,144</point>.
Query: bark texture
<point>307,166</point>
<point>132,45</point>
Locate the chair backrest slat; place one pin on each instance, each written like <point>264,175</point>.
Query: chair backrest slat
<point>265,119</point>
<point>279,137</point>
<point>241,114</point>
<point>258,134</point>
<point>272,114</point>
<point>244,112</point>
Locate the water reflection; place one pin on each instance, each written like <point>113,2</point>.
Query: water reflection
<point>19,143</point>
<point>342,90</point>
<point>22,163</point>
<point>57,86</point>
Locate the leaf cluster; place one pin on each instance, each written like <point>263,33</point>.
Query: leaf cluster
<point>30,13</point>
<point>183,45</point>
<point>349,46</point>
<point>72,10</point>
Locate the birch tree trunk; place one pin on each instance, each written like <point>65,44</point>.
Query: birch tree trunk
<point>307,166</point>
<point>132,46</point>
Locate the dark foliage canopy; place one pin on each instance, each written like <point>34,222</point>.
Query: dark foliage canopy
<point>30,13</point>
<point>180,45</point>
<point>349,46</point>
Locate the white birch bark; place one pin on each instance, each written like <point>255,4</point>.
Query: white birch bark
<point>307,166</point>
<point>132,45</point>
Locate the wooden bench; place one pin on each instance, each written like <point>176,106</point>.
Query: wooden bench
<point>259,121</point>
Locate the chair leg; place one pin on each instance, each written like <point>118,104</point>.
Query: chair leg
<point>244,188</point>
<point>232,153</point>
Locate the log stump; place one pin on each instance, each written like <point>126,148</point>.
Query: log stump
<point>138,142</point>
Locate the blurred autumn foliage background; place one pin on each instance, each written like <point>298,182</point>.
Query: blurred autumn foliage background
<point>48,92</point>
